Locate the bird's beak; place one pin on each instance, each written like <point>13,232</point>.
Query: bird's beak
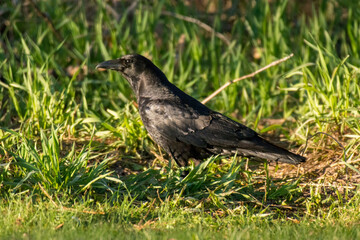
<point>110,65</point>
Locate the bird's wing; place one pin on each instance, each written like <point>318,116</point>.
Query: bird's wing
<point>174,121</point>
<point>224,133</point>
<point>191,126</point>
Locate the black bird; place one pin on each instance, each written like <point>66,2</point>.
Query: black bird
<point>183,126</point>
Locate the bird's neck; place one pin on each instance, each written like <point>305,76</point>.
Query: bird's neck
<point>158,89</point>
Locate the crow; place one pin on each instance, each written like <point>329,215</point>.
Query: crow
<point>184,127</point>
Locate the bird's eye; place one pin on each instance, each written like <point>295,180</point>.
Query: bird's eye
<point>128,61</point>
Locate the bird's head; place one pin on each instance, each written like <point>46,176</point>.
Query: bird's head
<point>137,69</point>
<point>129,65</point>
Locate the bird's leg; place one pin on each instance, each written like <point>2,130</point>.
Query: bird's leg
<point>182,163</point>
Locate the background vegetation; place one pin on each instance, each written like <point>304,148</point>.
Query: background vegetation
<point>76,161</point>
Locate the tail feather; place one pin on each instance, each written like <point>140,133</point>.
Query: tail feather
<point>266,150</point>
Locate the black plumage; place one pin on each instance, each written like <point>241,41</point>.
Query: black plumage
<point>183,126</point>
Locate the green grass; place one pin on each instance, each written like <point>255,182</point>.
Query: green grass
<point>76,161</point>
<point>162,220</point>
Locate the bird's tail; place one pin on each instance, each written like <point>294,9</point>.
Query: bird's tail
<point>266,150</point>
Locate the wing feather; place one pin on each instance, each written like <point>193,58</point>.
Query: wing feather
<point>201,129</point>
